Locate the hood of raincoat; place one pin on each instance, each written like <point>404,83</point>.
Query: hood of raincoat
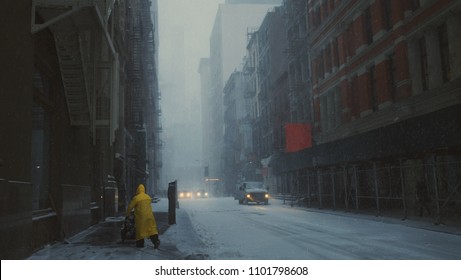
<point>141,189</point>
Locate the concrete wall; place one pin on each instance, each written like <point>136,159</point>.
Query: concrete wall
<point>76,213</point>
<point>15,219</point>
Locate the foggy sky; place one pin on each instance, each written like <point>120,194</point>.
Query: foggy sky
<point>195,19</point>
<point>184,37</point>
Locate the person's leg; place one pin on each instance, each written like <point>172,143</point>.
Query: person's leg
<point>140,243</point>
<point>155,240</point>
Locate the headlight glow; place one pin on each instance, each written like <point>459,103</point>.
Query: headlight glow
<point>266,195</point>
<point>248,196</point>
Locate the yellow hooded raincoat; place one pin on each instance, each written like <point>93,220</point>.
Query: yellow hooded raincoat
<point>145,223</point>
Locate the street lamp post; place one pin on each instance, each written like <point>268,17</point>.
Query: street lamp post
<point>206,172</point>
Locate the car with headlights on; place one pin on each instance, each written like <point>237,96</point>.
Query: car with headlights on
<point>184,194</point>
<point>252,192</point>
<point>201,194</point>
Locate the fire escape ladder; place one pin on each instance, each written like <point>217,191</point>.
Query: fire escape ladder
<point>90,81</point>
<point>69,53</point>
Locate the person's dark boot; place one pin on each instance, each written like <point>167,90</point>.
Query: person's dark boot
<point>155,241</point>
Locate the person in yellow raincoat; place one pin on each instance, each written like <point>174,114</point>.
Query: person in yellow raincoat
<point>146,226</point>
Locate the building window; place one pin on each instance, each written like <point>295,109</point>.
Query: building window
<point>351,41</point>
<point>373,89</point>
<point>303,26</point>
<point>331,6</point>
<point>392,76</point>
<point>317,17</point>
<point>291,75</point>
<point>326,11</point>
<point>338,107</point>
<point>330,110</point>
<point>41,83</point>
<point>335,53</point>
<point>444,52</point>
<point>305,70</point>
<point>424,65</point>
<point>299,73</point>
<point>353,102</point>
<point>321,67</point>
<point>368,27</point>
<point>327,55</point>
<point>324,112</point>
<point>414,5</point>
<point>387,8</point>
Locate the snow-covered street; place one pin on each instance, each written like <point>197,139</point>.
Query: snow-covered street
<point>277,231</point>
<point>221,229</point>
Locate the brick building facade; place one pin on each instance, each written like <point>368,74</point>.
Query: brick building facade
<point>385,81</point>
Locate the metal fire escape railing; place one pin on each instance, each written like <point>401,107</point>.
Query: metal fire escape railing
<point>70,59</point>
<point>135,72</point>
<point>87,58</point>
<point>142,106</point>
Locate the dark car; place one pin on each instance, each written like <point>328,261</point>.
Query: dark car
<point>154,198</point>
<point>252,191</point>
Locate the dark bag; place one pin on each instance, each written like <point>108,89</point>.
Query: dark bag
<point>128,230</point>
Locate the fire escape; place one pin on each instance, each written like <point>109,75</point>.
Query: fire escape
<point>143,110</point>
<point>296,15</point>
<point>87,59</point>
<point>89,67</point>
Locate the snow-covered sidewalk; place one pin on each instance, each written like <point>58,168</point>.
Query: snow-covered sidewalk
<point>103,241</point>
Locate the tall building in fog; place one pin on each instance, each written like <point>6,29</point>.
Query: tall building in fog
<point>183,145</point>
<point>233,21</point>
<point>205,93</point>
<point>177,65</point>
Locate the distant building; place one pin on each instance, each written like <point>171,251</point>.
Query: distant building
<point>238,144</point>
<point>271,102</point>
<point>227,48</point>
<point>183,141</point>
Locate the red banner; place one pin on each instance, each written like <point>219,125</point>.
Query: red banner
<point>298,136</point>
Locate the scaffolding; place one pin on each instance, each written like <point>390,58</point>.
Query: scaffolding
<point>381,188</point>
